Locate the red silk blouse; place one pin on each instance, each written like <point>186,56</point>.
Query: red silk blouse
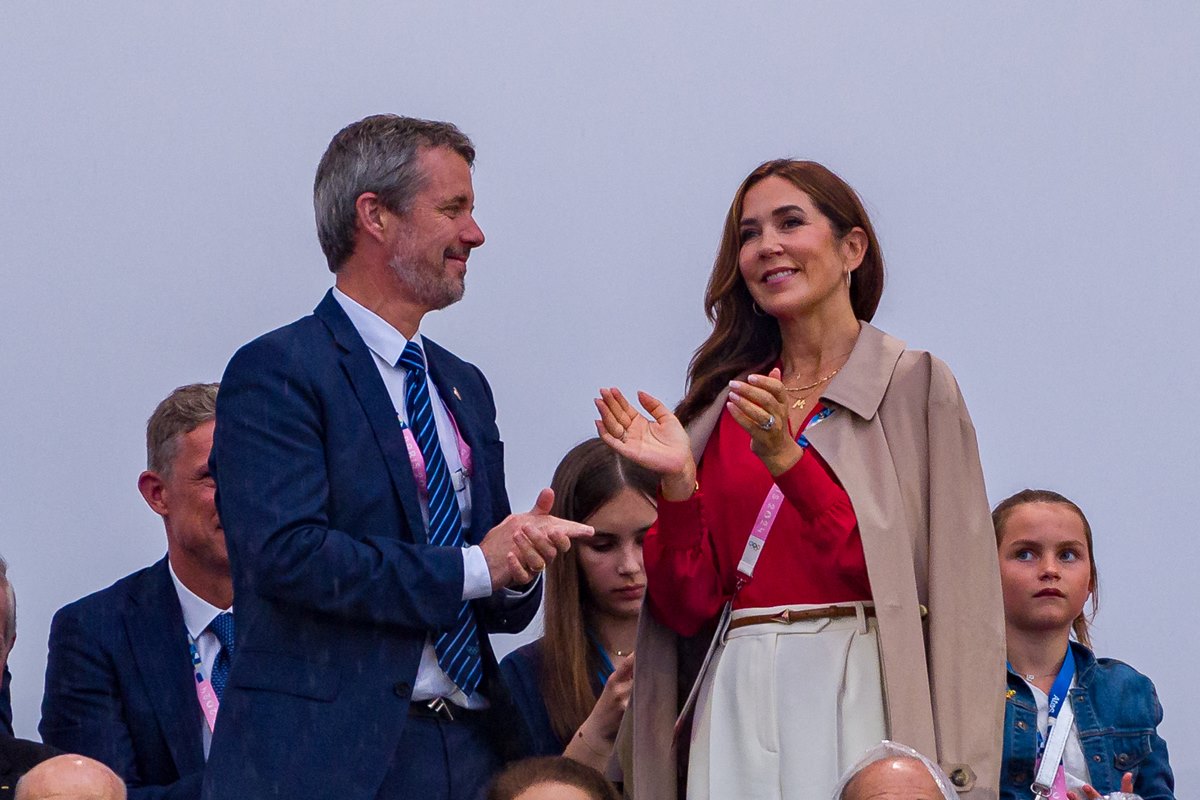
<point>813,555</point>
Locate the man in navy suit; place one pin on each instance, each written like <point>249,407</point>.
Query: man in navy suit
<point>121,678</point>
<point>360,477</point>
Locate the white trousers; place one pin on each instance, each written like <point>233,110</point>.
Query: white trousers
<point>785,709</point>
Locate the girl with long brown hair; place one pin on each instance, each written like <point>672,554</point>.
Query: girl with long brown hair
<point>572,685</point>
<point>873,609</point>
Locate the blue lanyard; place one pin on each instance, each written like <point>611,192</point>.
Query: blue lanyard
<point>606,665</point>
<point>802,440</point>
<point>1058,695</point>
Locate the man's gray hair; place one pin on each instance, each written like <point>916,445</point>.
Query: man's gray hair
<point>377,154</point>
<point>183,410</point>
<point>9,619</point>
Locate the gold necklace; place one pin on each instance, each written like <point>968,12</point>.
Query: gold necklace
<point>803,401</point>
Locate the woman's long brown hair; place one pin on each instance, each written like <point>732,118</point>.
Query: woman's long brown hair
<point>742,339</point>
<point>589,476</point>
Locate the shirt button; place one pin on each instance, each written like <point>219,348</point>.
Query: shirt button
<point>1122,759</point>
<point>1021,725</point>
<point>402,690</point>
<point>1096,759</point>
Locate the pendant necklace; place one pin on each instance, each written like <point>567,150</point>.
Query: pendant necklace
<point>802,401</point>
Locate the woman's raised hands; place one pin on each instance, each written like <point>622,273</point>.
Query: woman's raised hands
<point>659,443</point>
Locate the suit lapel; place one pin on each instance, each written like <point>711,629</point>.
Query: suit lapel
<point>360,369</point>
<point>451,379</point>
<point>158,639</point>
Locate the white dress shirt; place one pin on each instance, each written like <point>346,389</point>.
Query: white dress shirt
<point>198,614</point>
<point>386,345</point>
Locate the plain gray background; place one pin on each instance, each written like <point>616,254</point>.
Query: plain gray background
<point>1032,170</point>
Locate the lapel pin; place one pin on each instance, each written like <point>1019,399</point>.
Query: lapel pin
<point>456,394</point>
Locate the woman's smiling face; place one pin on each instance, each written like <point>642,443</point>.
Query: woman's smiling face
<point>792,260</point>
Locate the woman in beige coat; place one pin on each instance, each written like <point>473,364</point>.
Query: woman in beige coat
<point>875,611</point>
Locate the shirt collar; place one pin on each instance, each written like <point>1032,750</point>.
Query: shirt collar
<point>382,339</point>
<point>198,613</point>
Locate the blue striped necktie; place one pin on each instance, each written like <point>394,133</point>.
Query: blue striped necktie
<point>457,648</point>
<point>222,628</point>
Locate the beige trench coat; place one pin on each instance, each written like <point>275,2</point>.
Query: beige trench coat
<point>904,448</point>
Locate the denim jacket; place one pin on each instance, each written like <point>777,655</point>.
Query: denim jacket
<point>1116,716</point>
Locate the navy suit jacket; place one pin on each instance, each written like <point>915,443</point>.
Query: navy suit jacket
<point>119,686</point>
<point>6,723</point>
<point>336,585</point>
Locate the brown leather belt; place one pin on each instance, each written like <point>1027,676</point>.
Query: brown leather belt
<point>790,615</point>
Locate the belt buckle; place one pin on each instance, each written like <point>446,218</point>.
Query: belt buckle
<point>439,706</point>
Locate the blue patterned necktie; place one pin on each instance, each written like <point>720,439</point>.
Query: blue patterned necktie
<point>222,628</point>
<point>457,648</point>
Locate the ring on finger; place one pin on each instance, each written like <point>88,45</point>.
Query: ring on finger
<point>769,424</point>
<point>536,569</point>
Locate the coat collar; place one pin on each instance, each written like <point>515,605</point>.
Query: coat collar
<point>1085,664</point>
<point>862,382</point>
<point>340,327</point>
<point>448,374</point>
<point>859,385</point>
<point>359,366</point>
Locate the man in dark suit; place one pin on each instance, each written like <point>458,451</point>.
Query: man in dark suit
<point>360,477</point>
<point>121,682</point>
<point>17,756</point>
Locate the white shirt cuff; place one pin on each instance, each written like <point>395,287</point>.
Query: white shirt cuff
<point>518,593</point>
<point>477,578</point>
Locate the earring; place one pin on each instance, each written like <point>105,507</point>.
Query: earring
<point>758,312</point>
<point>848,275</point>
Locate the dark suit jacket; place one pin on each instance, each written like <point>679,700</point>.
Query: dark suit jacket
<point>18,756</point>
<point>337,587</point>
<point>522,672</point>
<point>119,686</point>
<point>6,725</point>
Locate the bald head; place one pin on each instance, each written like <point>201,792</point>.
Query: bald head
<point>70,777</point>
<point>893,778</point>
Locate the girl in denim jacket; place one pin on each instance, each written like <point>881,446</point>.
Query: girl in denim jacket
<point>1048,572</point>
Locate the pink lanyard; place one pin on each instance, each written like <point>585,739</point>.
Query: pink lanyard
<point>205,692</point>
<point>418,461</point>
<point>745,569</point>
<point>769,511</point>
